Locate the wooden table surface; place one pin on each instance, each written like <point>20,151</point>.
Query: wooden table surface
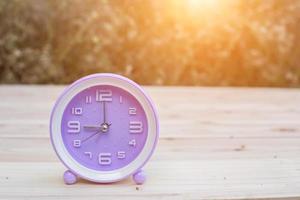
<point>215,143</point>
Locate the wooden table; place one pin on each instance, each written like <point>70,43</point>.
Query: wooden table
<point>215,143</point>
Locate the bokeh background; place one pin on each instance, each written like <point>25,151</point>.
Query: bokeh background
<point>157,42</point>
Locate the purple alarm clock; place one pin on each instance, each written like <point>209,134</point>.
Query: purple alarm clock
<point>104,128</point>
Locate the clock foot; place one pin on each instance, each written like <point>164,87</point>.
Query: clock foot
<point>139,177</point>
<point>69,177</point>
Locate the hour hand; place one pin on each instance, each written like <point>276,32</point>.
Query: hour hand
<point>103,127</point>
<point>93,127</point>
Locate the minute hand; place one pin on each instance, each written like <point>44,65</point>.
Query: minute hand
<point>104,113</point>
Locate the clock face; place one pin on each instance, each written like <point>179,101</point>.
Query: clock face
<point>104,127</point>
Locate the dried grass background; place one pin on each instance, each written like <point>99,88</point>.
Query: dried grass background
<point>244,43</point>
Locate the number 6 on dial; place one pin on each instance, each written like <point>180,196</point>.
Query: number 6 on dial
<point>104,158</point>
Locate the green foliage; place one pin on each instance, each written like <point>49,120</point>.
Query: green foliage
<point>250,43</point>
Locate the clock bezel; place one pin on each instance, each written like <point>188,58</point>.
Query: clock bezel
<point>57,139</point>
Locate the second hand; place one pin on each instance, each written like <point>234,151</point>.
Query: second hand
<point>90,136</point>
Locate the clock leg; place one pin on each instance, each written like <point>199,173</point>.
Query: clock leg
<point>69,177</point>
<point>139,177</point>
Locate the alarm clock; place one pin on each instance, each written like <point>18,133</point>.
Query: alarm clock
<point>104,128</point>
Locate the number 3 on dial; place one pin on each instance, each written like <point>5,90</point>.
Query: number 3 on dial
<point>135,127</point>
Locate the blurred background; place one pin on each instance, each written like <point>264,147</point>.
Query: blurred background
<point>169,42</point>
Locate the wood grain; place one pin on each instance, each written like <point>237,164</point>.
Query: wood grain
<point>215,143</point>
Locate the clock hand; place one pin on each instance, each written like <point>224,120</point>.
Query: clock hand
<point>104,113</point>
<point>103,129</point>
<point>104,125</point>
<point>92,127</point>
<point>82,141</point>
